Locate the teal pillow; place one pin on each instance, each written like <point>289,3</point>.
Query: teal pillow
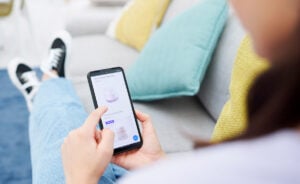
<point>174,61</point>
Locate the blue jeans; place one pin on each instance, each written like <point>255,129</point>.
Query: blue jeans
<point>57,110</point>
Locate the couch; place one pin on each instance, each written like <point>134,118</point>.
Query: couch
<point>176,120</point>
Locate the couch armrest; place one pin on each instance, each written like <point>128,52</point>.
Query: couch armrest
<point>84,18</point>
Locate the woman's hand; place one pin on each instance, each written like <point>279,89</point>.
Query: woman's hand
<point>148,153</point>
<point>86,151</point>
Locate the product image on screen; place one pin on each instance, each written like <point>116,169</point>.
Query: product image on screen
<point>110,91</point>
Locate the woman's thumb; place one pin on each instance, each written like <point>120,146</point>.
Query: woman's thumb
<point>106,145</point>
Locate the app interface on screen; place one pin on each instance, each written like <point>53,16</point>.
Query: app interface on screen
<point>110,91</point>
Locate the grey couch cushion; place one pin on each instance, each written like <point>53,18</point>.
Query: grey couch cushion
<point>83,18</point>
<point>109,2</point>
<point>214,91</point>
<point>173,118</point>
<point>176,7</point>
<point>94,52</point>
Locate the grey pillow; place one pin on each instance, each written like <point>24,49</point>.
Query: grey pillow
<point>176,7</point>
<point>214,91</point>
<point>109,2</point>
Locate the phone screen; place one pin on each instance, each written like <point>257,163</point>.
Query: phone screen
<point>110,90</point>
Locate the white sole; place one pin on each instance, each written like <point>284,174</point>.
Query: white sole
<point>11,68</point>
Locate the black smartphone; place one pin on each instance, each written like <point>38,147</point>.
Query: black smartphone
<point>109,88</point>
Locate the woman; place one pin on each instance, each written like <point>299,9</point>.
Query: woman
<point>267,152</point>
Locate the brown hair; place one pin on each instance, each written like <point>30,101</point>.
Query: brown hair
<point>274,101</point>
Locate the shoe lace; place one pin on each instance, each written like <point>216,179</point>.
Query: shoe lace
<point>54,56</point>
<point>30,77</point>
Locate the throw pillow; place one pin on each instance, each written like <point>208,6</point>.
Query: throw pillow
<point>137,21</point>
<point>176,57</point>
<point>6,7</point>
<point>233,118</point>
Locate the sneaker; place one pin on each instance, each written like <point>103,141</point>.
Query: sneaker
<point>25,79</point>
<point>58,55</point>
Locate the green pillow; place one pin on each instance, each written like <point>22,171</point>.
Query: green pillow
<point>174,61</point>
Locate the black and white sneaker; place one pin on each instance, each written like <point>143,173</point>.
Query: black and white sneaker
<point>58,55</point>
<point>25,79</point>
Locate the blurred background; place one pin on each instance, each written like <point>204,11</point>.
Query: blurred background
<point>26,27</point>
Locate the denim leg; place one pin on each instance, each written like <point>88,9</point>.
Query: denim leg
<point>112,174</point>
<point>57,110</point>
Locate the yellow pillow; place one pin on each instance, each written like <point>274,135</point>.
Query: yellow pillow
<point>137,21</point>
<point>247,67</point>
<point>5,8</point>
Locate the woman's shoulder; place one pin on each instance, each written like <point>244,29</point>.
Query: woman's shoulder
<point>290,139</point>
<point>267,156</point>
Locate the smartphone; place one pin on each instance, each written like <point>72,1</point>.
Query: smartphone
<point>109,88</point>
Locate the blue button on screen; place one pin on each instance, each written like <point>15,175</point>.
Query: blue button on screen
<point>135,137</point>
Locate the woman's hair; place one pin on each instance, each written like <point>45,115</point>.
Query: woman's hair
<point>274,101</point>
